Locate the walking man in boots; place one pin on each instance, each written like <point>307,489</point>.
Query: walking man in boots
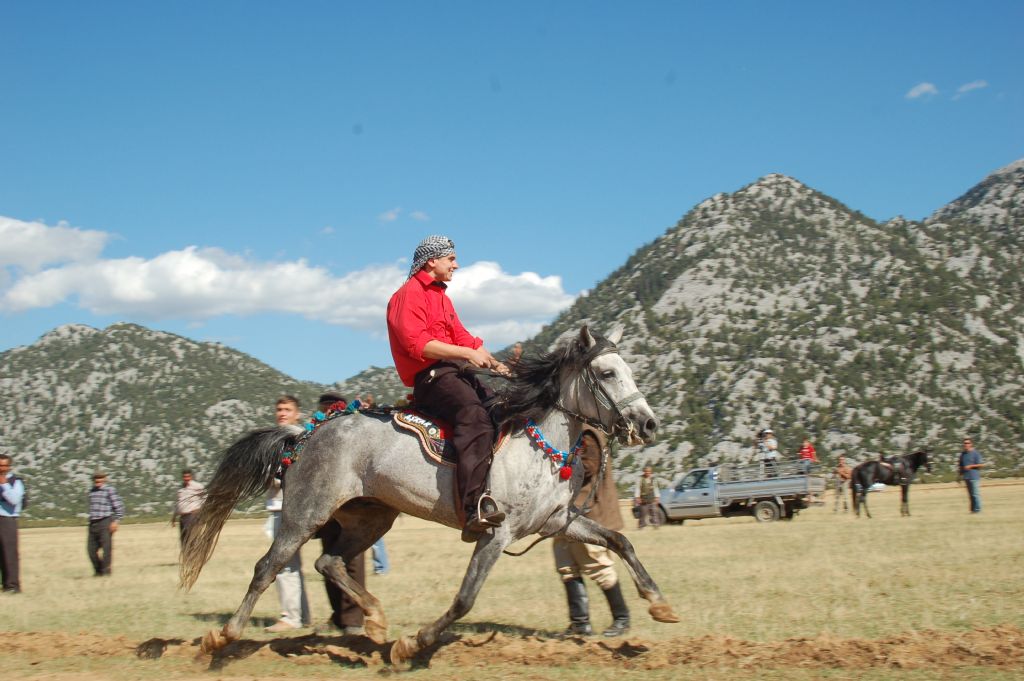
<point>574,559</point>
<point>431,348</point>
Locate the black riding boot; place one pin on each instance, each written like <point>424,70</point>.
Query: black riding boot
<point>620,612</point>
<point>579,608</point>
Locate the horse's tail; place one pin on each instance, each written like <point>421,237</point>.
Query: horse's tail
<point>246,470</point>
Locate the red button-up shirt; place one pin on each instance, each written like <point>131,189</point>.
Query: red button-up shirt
<point>418,313</point>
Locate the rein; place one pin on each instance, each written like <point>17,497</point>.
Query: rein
<point>574,511</point>
<point>604,400</point>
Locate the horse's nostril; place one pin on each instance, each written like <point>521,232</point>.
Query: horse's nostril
<point>651,426</point>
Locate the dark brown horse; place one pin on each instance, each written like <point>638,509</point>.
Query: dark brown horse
<point>899,470</point>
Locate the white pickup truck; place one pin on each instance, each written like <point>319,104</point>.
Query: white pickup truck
<point>766,491</point>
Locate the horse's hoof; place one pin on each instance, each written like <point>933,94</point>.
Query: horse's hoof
<point>376,632</point>
<point>213,641</point>
<point>404,649</point>
<point>663,612</point>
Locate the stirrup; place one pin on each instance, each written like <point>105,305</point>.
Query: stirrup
<point>492,517</point>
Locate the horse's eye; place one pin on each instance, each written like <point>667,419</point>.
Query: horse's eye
<point>606,375</point>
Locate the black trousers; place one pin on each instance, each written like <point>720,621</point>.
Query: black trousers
<point>344,611</point>
<point>100,541</point>
<point>9,553</point>
<point>458,399</point>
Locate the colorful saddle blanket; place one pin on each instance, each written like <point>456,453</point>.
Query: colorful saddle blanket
<point>434,435</point>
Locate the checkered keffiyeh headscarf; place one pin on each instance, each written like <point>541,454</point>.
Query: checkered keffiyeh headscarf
<point>435,246</point>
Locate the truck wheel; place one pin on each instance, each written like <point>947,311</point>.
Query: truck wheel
<point>660,516</point>
<point>766,511</point>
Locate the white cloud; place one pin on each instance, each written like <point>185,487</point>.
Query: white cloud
<point>327,230</point>
<point>195,284</point>
<point>967,87</point>
<point>419,215</point>
<point>32,245</point>
<point>390,215</point>
<point>921,90</point>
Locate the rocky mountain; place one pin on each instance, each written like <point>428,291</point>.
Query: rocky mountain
<point>137,403</point>
<point>773,305</point>
<point>777,305</point>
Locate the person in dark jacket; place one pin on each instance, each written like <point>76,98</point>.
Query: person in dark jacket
<point>575,559</point>
<point>346,616</point>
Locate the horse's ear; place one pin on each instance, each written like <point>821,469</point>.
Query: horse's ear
<point>615,335</point>
<point>586,339</point>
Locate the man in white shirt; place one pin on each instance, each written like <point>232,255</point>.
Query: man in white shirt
<point>291,587</point>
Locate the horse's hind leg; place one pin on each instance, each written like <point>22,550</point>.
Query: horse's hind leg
<point>586,530</point>
<point>905,500</point>
<point>363,523</point>
<point>485,555</point>
<point>288,540</point>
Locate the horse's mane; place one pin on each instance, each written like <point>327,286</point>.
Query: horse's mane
<point>533,389</point>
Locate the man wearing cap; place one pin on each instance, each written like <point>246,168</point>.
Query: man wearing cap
<point>105,512</point>
<point>430,346</point>
<point>769,451</point>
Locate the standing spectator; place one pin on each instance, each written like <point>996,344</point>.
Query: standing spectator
<point>645,495</point>
<point>842,473</point>
<point>807,455</point>
<point>381,565</point>
<point>768,450</point>
<point>515,355</point>
<point>105,512</point>
<point>291,588</point>
<point>12,493</point>
<point>969,467</point>
<point>346,616</point>
<point>186,505</point>
<point>574,559</point>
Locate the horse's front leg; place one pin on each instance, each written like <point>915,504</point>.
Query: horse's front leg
<point>485,555</point>
<point>904,500</point>
<point>589,532</point>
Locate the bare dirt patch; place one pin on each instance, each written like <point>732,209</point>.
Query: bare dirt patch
<point>999,647</point>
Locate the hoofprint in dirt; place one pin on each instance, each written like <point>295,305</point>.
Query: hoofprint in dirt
<point>1000,647</point>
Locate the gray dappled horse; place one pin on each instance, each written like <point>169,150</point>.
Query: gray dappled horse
<point>362,472</point>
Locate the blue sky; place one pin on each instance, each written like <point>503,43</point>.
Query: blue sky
<point>259,173</point>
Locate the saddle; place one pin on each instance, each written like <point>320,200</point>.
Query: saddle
<point>434,435</point>
<point>897,470</point>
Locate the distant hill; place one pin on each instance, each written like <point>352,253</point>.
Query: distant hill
<point>140,404</point>
<point>774,305</point>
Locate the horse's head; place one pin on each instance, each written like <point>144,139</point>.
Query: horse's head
<point>603,391</point>
<point>920,458</point>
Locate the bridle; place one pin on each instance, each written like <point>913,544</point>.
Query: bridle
<point>622,428</point>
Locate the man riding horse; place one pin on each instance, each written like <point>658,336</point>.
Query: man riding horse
<point>430,347</point>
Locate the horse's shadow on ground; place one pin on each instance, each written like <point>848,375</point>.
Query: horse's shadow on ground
<point>222,618</point>
<point>361,646</point>
<point>310,644</point>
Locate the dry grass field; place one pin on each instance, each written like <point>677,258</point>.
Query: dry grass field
<point>937,595</point>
